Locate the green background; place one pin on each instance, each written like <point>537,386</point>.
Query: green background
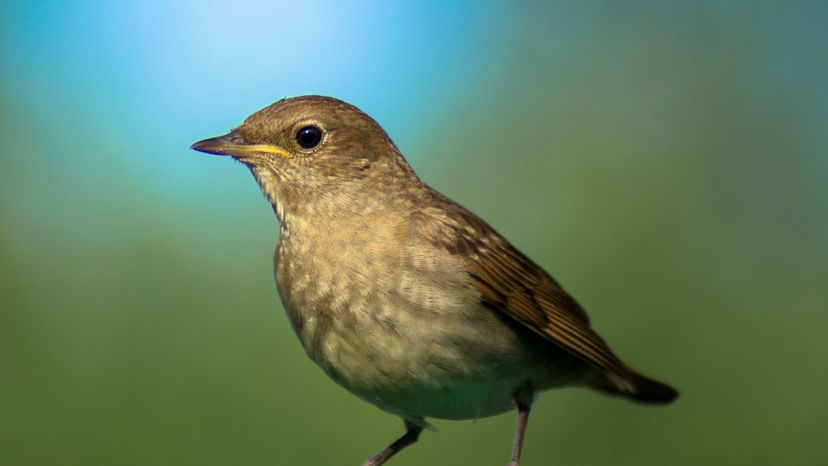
<point>666,161</point>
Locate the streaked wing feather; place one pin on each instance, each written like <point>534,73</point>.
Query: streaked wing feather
<point>511,283</point>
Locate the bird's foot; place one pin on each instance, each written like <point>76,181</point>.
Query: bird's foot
<point>514,463</point>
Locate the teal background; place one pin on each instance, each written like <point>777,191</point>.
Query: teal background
<point>666,161</point>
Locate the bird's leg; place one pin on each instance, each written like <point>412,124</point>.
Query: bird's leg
<point>523,400</point>
<point>412,433</point>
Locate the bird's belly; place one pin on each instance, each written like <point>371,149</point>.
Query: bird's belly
<point>457,397</point>
<point>441,367</point>
<point>414,339</point>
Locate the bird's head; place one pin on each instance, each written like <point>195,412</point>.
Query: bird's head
<point>315,149</point>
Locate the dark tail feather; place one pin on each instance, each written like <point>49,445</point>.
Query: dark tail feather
<point>636,387</point>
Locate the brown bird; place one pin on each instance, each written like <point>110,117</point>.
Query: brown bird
<point>399,294</point>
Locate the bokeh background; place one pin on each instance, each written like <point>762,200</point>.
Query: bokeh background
<point>666,161</point>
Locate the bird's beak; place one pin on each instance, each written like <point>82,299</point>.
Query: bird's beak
<point>233,144</point>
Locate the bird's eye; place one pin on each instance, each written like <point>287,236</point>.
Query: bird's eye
<point>309,137</point>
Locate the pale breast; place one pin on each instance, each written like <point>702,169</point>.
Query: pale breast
<point>396,322</point>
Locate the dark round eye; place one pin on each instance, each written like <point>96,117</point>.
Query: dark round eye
<point>309,136</point>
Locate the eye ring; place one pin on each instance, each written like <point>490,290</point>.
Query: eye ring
<point>309,136</point>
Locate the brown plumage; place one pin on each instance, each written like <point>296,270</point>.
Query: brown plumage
<point>401,295</point>
<point>511,283</point>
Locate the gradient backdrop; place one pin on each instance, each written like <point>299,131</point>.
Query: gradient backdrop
<point>666,161</point>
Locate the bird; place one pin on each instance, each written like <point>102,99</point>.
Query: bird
<point>402,296</point>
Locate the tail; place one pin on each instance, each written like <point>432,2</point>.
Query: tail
<point>636,387</point>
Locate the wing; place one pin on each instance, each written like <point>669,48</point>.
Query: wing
<point>511,283</point>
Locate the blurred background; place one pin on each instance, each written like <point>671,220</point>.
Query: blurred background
<point>666,161</point>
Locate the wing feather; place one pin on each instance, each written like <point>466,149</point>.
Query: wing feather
<point>511,283</point>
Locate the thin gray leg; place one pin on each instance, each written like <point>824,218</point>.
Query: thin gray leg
<point>412,433</point>
<point>524,405</point>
